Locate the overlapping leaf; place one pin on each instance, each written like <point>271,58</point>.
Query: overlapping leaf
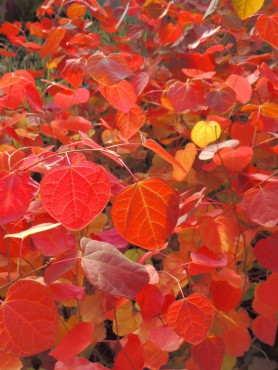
<point>109,270</point>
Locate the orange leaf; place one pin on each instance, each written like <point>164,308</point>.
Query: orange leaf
<point>186,158</point>
<point>53,40</point>
<point>121,96</point>
<point>74,342</point>
<point>266,252</point>
<point>267,26</point>
<point>129,123</point>
<point>191,318</point>
<point>156,148</point>
<point>146,213</point>
<point>28,312</point>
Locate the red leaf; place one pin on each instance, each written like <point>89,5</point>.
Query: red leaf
<point>267,26</point>
<point>120,96</point>
<point>61,266</point>
<point>234,159</point>
<point>28,312</point>
<point>146,213</point>
<point>78,363</point>
<point>150,301</point>
<point>265,328</point>
<point>66,99</point>
<point>259,204</point>
<point>54,241</point>
<point>241,86</point>
<point>222,99</point>
<point>53,40</point>
<point>129,123</point>
<point>108,70</point>
<point>109,270</point>
<point>267,290</point>
<point>14,247</point>
<point>209,354</point>
<point>10,362</point>
<point>33,98</point>
<point>191,318</point>
<point>75,195</point>
<point>16,193</point>
<point>266,252</point>
<point>74,342</point>
<point>131,357</point>
<point>73,123</point>
<point>188,95</point>
<point>62,292</point>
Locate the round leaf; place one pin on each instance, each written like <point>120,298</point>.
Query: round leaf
<point>205,132</point>
<point>246,8</point>
<point>146,213</point>
<point>191,318</point>
<point>75,195</point>
<point>28,319</point>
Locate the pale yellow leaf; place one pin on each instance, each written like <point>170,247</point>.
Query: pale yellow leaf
<point>33,230</point>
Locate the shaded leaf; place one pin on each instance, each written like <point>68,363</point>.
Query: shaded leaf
<point>222,99</point>
<point>266,252</point>
<point>30,307</point>
<point>265,328</point>
<point>131,357</point>
<point>146,213</point>
<point>74,195</point>
<point>209,354</point>
<point>259,204</point>
<point>191,318</point>
<point>109,270</point>
<point>16,193</point>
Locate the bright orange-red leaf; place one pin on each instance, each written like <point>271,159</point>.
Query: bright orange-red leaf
<point>267,26</point>
<point>108,70</point>
<point>267,290</point>
<point>234,159</point>
<point>74,342</point>
<point>73,123</point>
<point>28,312</point>
<point>241,86</point>
<point>150,301</point>
<point>259,204</point>
<point>156,148</point>
<point>191,318</point>
<point>14,248</point>
<point>67,98</point>
<point>146,213</point>
<point>121,96</point>
<point>130,122</point>
<point>74,195</point>
<point>110,271</point>
<point>186,158</point>
<point>209,354</point>
<point>53,40</point>
<point>131,357</point>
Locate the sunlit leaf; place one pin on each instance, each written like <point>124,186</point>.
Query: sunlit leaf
<point>205,132</point>
<point>191,318</point>
<point>246,8</point>
<point>146,213</point>
<point>75,194</point>
<point>53,40</point>
<point>267,26</point>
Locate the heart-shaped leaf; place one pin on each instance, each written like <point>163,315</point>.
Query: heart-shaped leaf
<point>146,213</point>
<point>109,270</point>
<point>28,319</point>
<point>191,318</point>
<point>205,132</point>
<point>267,26</point>
<point>76,194</point>
<point>234,159</point>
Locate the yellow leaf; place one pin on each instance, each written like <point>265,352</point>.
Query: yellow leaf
<point>186,158</point>
<point>126,321</point>
<point>245,8</point>
<point>33,230</point>
<point>205,132</point>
